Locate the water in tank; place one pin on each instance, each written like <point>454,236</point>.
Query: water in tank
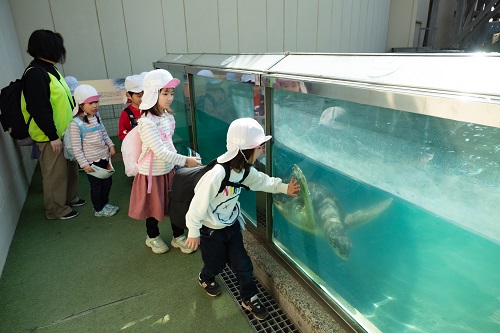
<point>399,215</point>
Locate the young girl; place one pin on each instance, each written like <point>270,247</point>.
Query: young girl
<point>212,218</point>
<point>156,128</point>
<point>92,149</point>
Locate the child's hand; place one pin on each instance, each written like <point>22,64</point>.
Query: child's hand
<point>88,169</point>
<point>112,150</point>
<point>192,243</point>
<point>193,161</point>
<point>293,187</point>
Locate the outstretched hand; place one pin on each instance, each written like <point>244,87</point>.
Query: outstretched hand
<point>293,187</point>
<point>193,161</point>
<point>192,243</point>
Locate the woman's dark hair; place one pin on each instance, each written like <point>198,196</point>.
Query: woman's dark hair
<point>48,45</point>
<point>239,163</point>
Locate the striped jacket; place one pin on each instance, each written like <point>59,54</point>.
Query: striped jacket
<point>156,135</point>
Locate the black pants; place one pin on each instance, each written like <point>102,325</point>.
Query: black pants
<point>153,231</point>
<point>225,246</point>
<point>99,188</point>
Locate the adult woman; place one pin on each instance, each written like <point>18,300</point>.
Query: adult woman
<point>47,107</point>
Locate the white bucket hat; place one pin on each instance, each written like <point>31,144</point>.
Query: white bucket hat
<point>133,83</point>
<point>243,133</point>
<point>154,81</point>
<point>84,93</point>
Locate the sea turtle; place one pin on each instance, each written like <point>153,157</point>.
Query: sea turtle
<point>316,210</point>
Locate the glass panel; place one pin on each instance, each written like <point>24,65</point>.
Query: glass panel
<point>217,103</point>
<point>180,105</point>
<point>399,214</point>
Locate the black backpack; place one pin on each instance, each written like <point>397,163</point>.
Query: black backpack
<point>183,185</point>
<point>11,116</point>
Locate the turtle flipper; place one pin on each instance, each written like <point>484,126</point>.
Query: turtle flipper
<point>367,214</point>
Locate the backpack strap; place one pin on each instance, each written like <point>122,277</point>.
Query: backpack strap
<point>133,120</point>
<point>83,128</point>
<point>226,182</point>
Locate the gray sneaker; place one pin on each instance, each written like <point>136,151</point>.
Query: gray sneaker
<point>179,244</point>
<point>105,212</point>
<point>157,245</point>
<point>112,207</point>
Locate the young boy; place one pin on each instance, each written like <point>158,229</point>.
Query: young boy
<point>212,218</point>
<point>129,116</point>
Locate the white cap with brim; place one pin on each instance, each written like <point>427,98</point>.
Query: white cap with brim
<point>84,93</point>
<point>133,83</point>
<point>101,172</point>
<point>153,82</point>
<point>243,133</point>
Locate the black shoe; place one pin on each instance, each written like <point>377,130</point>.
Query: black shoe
<point>212,288</point>
<point>255,306</point>
<point>68,216</point>
<point>78,203</point>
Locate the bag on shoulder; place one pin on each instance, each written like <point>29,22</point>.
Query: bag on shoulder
<point>183,184</point>
<point>69,152</point>
<point>131,150</point>
<point>11,115</point>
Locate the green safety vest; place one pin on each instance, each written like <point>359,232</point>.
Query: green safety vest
<point>62,106</point>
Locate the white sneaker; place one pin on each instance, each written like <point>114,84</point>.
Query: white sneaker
<point>105,212</point>
<point>179,244</point>
<point>112,207</point>
<point>157,245</point>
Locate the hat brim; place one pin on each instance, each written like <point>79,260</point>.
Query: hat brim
<point>149,99</point>
<point>92,99</point>
<point>76,109</point>
<point>101,172</point>
<point>172,83</point>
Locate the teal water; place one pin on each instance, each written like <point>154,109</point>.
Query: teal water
<point>408,270</point>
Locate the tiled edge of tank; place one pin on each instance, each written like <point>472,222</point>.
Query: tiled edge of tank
<point>277,322</point>
<point>303,309</point>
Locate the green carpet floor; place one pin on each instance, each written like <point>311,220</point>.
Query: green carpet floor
<point>91,274</point>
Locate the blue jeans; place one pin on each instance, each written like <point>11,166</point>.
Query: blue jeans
<point>225,246</point>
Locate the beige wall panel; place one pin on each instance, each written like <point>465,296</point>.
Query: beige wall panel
<point>114,38</point>
<point>363,19</point>
<point>290,25</point>
<point>337,10</point>
<point>145,33</point>
<point>77,22</point>
<point>202,21</point>
<point>252,26</point>
<point>355,22</point>
<point>175,26</point>
<point>324,26</point>
<point>401,23</point>
<point>369,26</point>
<point>228,26</point>
<point>307,25</point>
<point>29,16</point>
<point>345,37</point>
<point>275,23</point>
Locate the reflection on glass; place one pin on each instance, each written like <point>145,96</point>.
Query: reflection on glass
<point>217,103</point>
<point>181,108</point>
<point>401,218</point>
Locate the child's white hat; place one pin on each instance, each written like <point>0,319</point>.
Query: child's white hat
<point>153,82</point>
<point>72,83</point>
<point>243,133</point>
<point>84,93</point>
<point>133,83</point>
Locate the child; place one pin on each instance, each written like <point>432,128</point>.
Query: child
<point>95,149</point>
<point>212,218</point>
<point>156,128</point>
<point>129,115</point>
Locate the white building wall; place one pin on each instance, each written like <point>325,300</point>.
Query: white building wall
<point>16,167</point>
<point>115,38</point>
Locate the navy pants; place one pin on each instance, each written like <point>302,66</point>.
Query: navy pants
<point>99,188</point>
<point>225,246</point>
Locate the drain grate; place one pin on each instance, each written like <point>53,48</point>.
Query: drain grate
<point>278,320</point>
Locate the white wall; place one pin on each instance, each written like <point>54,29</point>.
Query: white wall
<point>115,38</point>
<point>16,168</point>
